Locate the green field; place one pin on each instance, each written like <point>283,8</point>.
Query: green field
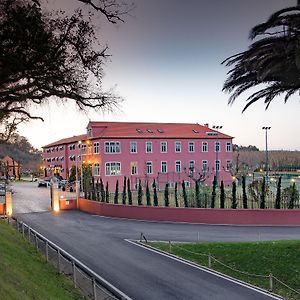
<point>24,274</point>
<point>281,258</point>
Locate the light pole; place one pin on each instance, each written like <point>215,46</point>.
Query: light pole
<point>80,151</point>
<point>266,128</point>
<point>217,150</point>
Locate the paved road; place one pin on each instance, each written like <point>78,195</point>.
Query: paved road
<point>100,243</point>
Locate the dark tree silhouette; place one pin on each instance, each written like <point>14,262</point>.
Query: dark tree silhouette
<point>148,196</point>
<point>116,197</point>
<point>184,194</point>
<point>271,63</point>
<point>263,194</point>
<point>214,194</point>
<point>222,195</point>
<point>129,192</point>
<point>278,194</point>
<point>124,191</point>
<point>245,199</point>
<point>140,193</point>
<point>176,195</point>
<point>155,197</point>
<point>166,195</point>
<point>233,203</point>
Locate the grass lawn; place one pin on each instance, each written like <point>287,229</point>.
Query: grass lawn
<point>24,274</point>
<point>281,258</point>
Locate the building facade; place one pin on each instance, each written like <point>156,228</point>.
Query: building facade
<point>166,152</point>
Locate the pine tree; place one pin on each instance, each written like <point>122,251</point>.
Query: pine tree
<point>293,197</point>
<point>197,194</point>
<point>148,197</point>
<point>278,194</point>
<point>155,198</point>
<point>102,192</point>
<point>176,195</point>
<point>213,194</point>
<point>106,193</point>
<point>124,191</point>
<point>245,205</point>
<point>166,195</point>
<point>129,192</point>
<point>185,199</point>
<point>116,197</point>
<point>222,195</point>
<point>263,194</point>
<point>234,203</point>
<point>140,193</point>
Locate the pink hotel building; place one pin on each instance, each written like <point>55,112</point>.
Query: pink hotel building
<point>166,152</point>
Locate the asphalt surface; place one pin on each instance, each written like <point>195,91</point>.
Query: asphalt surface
<point>101,244</point>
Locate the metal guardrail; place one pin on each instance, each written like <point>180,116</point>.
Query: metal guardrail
<point>92,284</point>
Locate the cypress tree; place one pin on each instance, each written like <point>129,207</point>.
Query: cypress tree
<point>93,191</point>
<point>245,205</point>
<point>278,194</point>
<point>293,197</point>
<point>263,194</point>
<point>140,193</point>
<point>155,198</point>
<point>176,195</point>
<point>98,190</point>
<point>222,195</point>
<point>102,192</point>
<point>129,192</point>
<point>19,171</point>
<point>124,191</point>
<point>14,169</point>
<point>106,193</point>
<point>166,195</point>
<point>185,199</point>
<point>197,194</point>
<point>116,198</point>
<point>213,194</point>
<point>234,203</point>
<point>148,197</point>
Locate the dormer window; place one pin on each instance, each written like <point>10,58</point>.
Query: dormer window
<point>139,130</point>
<point>89,132</point>
<point>195,131</point>
<point>149,130</point>
<point>160,130</point>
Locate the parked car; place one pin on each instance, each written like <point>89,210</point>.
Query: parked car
<point>2,189</point>
<point>43,182</point>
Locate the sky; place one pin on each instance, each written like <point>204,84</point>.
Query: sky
<point>166,64</point>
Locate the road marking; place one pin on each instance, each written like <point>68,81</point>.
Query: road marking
<point>215,273</point>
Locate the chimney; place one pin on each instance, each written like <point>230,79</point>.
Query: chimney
<point>206,124</point>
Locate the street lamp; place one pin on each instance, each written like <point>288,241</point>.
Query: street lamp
<point>266,128</point>
<point>217,150</point>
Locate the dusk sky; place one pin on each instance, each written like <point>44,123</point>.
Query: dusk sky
<point>166,64</point>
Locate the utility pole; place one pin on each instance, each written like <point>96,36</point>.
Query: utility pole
<point>267,158</point>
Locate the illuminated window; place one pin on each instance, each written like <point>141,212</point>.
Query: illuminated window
<point>96,170</point>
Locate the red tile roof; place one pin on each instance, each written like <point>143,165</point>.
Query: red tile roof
<point>145,130</point>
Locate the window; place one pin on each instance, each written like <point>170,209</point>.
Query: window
<point>148,147</point>
<point>217,146</point>
<point>191,165</point>
<point>163,147</point>
<point>228,165</point>
<point>71,147</point>
<point>228,147</point>
<point>133,147</point>
<point>149,167</point>
<point>191,147</point>
<point>149,130</point>
<point>204,147</point>
<point>217,165</point>
<point>61,148</point>
<point>177,147</point>
<point>83,149</point>
<point>164,167</point>
<point>178,166</point>
<point>89,132</point>
<point>187,184</point>
<point>96,148</point>
<point>96,170</point>
<point>112,147</point>
<point>89,149</point>
<point>204,165</point>
<point>133,168</point>
<point>113,169</point>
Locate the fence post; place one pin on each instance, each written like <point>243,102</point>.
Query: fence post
<point>29,237</point>
<point>36,242</point>
<point>74,273</point>
<point>58,260</point>
<point>47,254</point>
<point>170,247</point>
<point>23,230</point>
<point>209,261</point>
<point>271,282</point>
<point>94,289</point>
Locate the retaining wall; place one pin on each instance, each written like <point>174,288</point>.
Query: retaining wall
<point>193,215</point>
<point>2,209</point>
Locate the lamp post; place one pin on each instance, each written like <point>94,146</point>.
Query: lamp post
<point>217,150</point>
<point>80,151</point>
<point>266,128</point>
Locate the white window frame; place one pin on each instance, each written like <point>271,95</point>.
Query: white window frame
<point>204,163</point>
<point>191,162</point>
<point>204,146</point>
<point>134,166</point>
<point>191,145</point>
<point>133,146</point>
<point>96,148</point>
<point>112,147</point>
<point>164,147</point>
<point>164,167</point>
<point>96,169</point>
<point>149,166</point>
<point>217,163</point>
<point>175,145</point>
<point>228,164</point>
<point>217,147</point>
<point>108,166</point>
<point>228,147</point>
<point>146,147</point>
<point>177,166</point>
